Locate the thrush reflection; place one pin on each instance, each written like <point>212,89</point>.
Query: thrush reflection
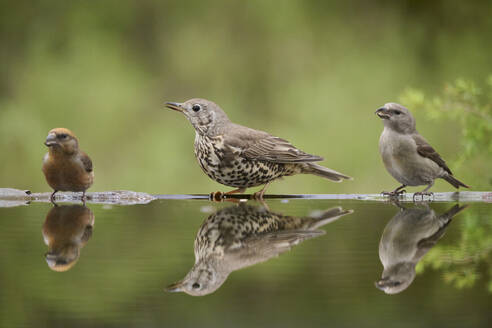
<point>407,237</point>
<point>66,230</point>
<point>240,236</point>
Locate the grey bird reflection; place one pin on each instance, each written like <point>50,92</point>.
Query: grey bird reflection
<point>407,237</point>
<point>243,235</point>
<point>66,230</point>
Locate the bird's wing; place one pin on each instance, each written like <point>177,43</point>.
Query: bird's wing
<point>425,244</point>
<point>86,161</point>
<point>445,219</point>
<point>87,234</point>
<point>426,150</point>
<point>259,145</point>
<point>260,248</point>
<point>275,243</point>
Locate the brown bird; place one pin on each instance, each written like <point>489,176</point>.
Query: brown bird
<point>66,230</point>
<point>236,237</point>
<point>407,156</point>
<point>240,157</point>
<point>65,166</point>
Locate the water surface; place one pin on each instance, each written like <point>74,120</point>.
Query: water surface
<point>290,263</point>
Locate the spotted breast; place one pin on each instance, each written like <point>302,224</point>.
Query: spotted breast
<point>226,165</point>
<point>230,227</point>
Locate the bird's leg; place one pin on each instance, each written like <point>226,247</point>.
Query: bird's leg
<point>395,192</point>
<point>52,197</point>
<point>424,192</point>
<point>265,206</point>
<point>259,194</point>
<point>400,190</point>
<point>219,195</point>
<point>83,197</point>
<point>235,191</point>
<point>396,202</point>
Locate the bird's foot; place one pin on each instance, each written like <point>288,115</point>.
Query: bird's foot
<point>52,198</point>
<point>422,195</point>
<point>258,195</point>
<point>393,193</point>
<point>84,198</point>
<point>219,197</point>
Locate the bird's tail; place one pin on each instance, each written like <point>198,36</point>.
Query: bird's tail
<point>320,219</point>
<point>443,221</point>
<point>316,169</point>
<point>452,212</point>
<point>455,182</point>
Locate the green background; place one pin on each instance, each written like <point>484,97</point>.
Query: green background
<point>312,72</point>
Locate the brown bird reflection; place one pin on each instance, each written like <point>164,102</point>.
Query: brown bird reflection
<point>407,237</point>
<point>66,230</point>
<point>243,235</point>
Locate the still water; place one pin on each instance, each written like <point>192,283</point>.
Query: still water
<point>285,263</point>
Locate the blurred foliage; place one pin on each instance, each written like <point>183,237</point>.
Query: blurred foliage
<point>309,71</point>
<point>464,262</point>
<point>471,106</point>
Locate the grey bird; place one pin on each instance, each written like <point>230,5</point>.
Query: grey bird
<point>236,237</point>
<point>240,157</point>
<point>407,156</point>
<point>407,237</point>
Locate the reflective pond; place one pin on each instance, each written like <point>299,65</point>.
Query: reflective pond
<point>282,263</point>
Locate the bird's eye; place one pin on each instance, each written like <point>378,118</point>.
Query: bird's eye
<point>195,285</point>
<point>196,108</point>
<point>63,136</point>
<point>397,112</point>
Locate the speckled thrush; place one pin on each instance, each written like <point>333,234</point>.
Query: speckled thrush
<point>240,157</point>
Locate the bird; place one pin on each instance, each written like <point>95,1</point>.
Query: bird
<point>241,157</point>
<point>407,237</point>
<point>243,235</point>
<point>65,166</point>
<point>407,156</point>
<point>66,230</point>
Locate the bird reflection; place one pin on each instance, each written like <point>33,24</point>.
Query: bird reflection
<point>243,235</point>
<point>407,237</point>
<point>66,230</point>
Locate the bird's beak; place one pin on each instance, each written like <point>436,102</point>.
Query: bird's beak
<point>382,113</point>
<point>381,284</point>
<point>174,106</point>
<point>175,288</point>
<point>51,140</point>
